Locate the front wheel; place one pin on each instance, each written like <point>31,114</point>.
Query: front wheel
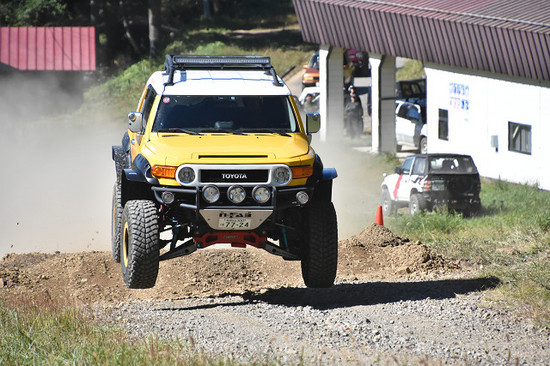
<point>139,250</point>
<point>320,250</point>
<point>389,207</point>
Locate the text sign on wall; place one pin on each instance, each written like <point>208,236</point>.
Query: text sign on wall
<point>459,96</point>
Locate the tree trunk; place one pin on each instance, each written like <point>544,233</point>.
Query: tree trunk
<point>94,21</point>
<point>206,9</point>
<point>153,13</point>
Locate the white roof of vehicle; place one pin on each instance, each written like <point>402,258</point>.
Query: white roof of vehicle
<point>309,90</point>
<point>218,82</point>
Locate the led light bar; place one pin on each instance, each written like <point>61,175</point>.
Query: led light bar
<point>209,62</point>
<point>190,60</point>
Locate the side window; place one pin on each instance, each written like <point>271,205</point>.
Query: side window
<point>419,166</point>
<point>413,113</point>
<point>406,167</point>
<point>519,138</point>
<point>147,104</point>
<point>443,124</point>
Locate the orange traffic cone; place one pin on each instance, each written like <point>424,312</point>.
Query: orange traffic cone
<point>379,218</point>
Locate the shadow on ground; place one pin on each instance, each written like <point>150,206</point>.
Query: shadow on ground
<point>370,293</point>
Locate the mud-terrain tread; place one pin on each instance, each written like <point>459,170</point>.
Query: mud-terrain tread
<point>320,252</point>
<point>116,222</point>
<point>143,244</point>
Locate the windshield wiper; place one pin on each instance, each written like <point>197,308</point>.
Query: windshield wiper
<point>178,130</point>
<point>221,130</point>
<point>266,130</point>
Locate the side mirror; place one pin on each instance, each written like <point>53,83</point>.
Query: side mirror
<point>134,121</point>
<point>313,122</point>
<point>398,170</point>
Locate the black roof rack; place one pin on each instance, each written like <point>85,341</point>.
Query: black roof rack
<point>208,62</point>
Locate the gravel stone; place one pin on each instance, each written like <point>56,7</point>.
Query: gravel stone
<point>348,324</point>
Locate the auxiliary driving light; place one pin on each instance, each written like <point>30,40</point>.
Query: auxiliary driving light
<point>168,197</point>
<point>282,175</point>
<point>186,175</point>
<point>302,197</point>
<point>236,194</point>
<point>261,194</point>
<point>211,193</point>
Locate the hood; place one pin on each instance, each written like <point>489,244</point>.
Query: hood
<point>213,148</point>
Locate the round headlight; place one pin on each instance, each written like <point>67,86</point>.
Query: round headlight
<point>168,197</point>
<point>282,175</point>
<point>261,194</point>
<point>186,175</point>
<point>236,194</point>
<point>302,197</point>
<point>211,194</point>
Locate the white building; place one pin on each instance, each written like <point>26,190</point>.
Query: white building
<point>504,123</point>
<point>487,65</point>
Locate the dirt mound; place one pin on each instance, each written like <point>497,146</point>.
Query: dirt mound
<point>84,278</point>
<point>384,254</point>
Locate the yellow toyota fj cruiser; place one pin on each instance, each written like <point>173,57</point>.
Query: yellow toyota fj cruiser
<point>217,153</point>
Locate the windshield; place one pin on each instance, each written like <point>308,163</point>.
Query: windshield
<point>452,164</point>
<point>232,114</point>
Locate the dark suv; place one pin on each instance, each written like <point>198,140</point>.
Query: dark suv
<point>428,181</point>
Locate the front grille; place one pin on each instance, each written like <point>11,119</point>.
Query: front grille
<point>234,176</point>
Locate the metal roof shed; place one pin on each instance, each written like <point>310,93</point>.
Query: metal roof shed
<point>48,48</point>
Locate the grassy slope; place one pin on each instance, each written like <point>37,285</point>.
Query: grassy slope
<point>510,240</point>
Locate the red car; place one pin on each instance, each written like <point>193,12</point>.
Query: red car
<point>311,74</point>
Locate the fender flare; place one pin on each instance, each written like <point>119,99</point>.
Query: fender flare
<point>329,174</point>
<point>140,171</point>
<point>136,182</point>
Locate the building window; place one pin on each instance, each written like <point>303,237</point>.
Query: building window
<point>519,138</point>
<point>444,124</point>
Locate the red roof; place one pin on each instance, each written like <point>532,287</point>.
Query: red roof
<point>48,48</point>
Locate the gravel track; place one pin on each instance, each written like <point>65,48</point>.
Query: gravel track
<point>423,322</point>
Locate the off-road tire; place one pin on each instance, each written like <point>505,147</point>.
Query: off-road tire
<point>139,249</point>
<point>320,249</point>
<point>389,207</point>
<point>116,223</point>
<point>417,203</point>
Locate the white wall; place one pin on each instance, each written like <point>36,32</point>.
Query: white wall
<point>481,106</point>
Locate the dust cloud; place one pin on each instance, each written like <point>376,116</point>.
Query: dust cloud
<point>56,186</point>
<point>356,191</point>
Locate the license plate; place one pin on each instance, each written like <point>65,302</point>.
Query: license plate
<point>234,223</point>
<point>438,186</point>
